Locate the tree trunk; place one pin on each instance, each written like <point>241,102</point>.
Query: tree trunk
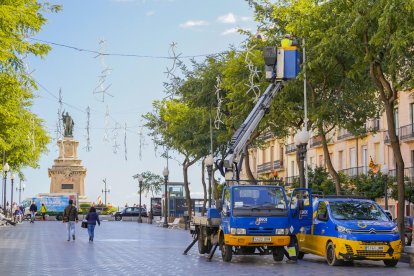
<point>186,164</point>
<point>203,181</point>
<point>328,160</point>
<point>249,173</point>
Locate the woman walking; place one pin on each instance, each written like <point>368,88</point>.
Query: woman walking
<point>92,217</point>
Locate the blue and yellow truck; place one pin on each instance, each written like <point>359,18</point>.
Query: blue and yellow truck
<point>350,228</point>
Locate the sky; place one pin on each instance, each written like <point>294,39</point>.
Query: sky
<point>138,27</point>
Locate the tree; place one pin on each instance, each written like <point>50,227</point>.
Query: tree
<point>23,137</point>
<point>151,183</point>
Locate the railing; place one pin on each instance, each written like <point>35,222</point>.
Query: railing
<point>278,164</point>
<point>265,167</point>
<point>291,180</point>
<point>344,135</point>
<point>315,141</point>
<point>408,173</point>
<point>266,136</point>
<point>290,148</point>
<point>406,132</point>
<point>355,171</point>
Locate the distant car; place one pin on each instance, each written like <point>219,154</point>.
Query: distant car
<point>156,211</point>
<point>408,226</point>
<point>130,212</point>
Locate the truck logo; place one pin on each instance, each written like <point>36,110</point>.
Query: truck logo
<point>361,224</point>
<point>260,220</point>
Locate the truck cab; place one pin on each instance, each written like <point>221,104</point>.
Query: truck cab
<point>259,219</point>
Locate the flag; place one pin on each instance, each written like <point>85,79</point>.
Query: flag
<point>374,167</point>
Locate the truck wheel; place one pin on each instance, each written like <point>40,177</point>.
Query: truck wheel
<point>301,255</point>
<point>390,263</point>
<point>330,255</point>
<point>226,253</point>
<point>118,218</point>
<point>278,254</point>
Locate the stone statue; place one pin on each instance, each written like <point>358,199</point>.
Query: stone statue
<point>67,124</point>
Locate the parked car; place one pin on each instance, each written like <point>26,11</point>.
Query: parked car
<point>408,225</point>
<point>130,212</point>
<point>346,229</point>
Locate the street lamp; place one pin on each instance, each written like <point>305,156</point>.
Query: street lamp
<point>165,173</point>
<point>6,168</point>
<point>105,190</point>
<point>301,141</point>
<point>385,172</point>
<point>12,177</point>
<point>20,188</point>
<point>209,164</point>
<point>140,179</point>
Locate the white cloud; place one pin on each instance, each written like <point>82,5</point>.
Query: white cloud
<point>193,23</point>
<point>229,18</point>
<point>150,13</point>
<point>245,18</point>
<point>230,31</point>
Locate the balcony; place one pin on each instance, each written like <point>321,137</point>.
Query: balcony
<point>290,180</point>
<point>278,164</point>
<point>408,173</point>
<point>355,171</point>
<point>266,136</point>
<point>264,168</point>
<point>344,135</point>
<point>407,132</point>
<point>315,141</point>
<point>290,148</point>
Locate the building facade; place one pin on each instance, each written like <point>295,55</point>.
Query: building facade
<point>349,154</point>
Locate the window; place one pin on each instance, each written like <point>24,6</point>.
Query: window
<point>412,112</point>
<point>377,124</point>
<point>365,159</point>
<point>272,154</point>
<point>226,201</point>
<point>322,211</point>
<point>292,168</point>
<point>263,156</point>
<point>320,161</point>
<point>377,153</point>
<point>352,157</point>
<point>340,161</point>
<point>67,186</point>
<point>396,121</point>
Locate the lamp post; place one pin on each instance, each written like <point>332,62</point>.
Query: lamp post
<point>165,173</point>
<point>209,164</point>
<point>301,141</point>
<point>20,188</point>
<point>6,168</point>
<point>12,177</point>
<point>105,190</point>
<point>140,179</point>
<point>385,172</point>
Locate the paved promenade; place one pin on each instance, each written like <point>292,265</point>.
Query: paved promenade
<point>129,248</point>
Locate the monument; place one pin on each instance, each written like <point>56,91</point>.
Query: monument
<point>67,175</point>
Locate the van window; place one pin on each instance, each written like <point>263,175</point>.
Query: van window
<point>357,210</point>
<point>322,211</point>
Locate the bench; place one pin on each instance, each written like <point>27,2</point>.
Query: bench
<point>410,252</point>
<point>174,224</point>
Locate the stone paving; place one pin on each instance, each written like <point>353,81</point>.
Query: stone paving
<point>129,248</point>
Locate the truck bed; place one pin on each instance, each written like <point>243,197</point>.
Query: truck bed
<point>204,221</point>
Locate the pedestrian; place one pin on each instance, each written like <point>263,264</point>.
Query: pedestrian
<point>92,218</point>
<point>33,210</point>
<point>291,250</point>
<point>70,216</point>
<point>43,210</point>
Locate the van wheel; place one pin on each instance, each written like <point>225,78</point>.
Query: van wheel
<point>330,255</point>
<point>226,253</point>
<point>390,263</point>
<point>278,254</point>
<point>118,218</point>
<point>301,255</point>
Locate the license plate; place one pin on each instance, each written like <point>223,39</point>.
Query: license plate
<point>262,239</point>
<point>374,247</point>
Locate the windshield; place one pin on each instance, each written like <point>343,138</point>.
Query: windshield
<point>357,211</point>
<point>259,197</point>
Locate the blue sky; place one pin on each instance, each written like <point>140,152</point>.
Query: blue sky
<point>142,27</point>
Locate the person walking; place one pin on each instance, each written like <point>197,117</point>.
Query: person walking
<point>92,218</point>
<point>70,216</point>
<point>43,210</point>
<point>33,210</point>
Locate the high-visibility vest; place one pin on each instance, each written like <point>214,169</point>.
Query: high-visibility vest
<point>286,42</point>
<point>43,209</point>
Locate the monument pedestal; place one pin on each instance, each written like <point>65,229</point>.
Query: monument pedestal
<point>67,175</point>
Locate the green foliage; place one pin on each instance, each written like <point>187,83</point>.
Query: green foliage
<point>320,181</point>
<point>151,183</point>
<point>22,134</point>
<point>368,185</point>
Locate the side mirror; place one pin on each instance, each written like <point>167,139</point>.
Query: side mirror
<point>322,217</point>
<point>301,204</point>
<point>219,205</point>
